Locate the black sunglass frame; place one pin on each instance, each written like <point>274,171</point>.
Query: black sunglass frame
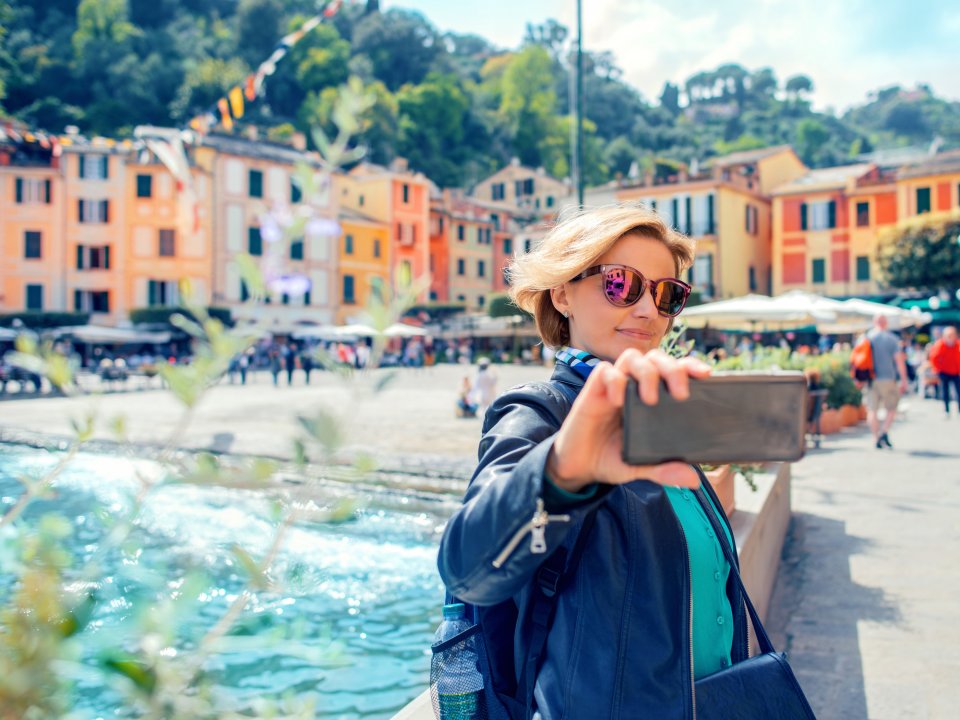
<point>644,285</point>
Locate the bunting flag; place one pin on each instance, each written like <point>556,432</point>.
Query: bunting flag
<point>168,146</point>
<point>232,107</point>
<point>236,102</point>
<point>224,108</point>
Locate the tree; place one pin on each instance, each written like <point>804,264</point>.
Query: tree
<point>550,35</point>
<point>258,29</point>
<point>528,101</point>
<point>619,155</point>
<point>325,61</point>
<point>431,122</point>
<point>798,85</point>
<point>923,256</point>
<point>670,98</point>
<point>811,136</point>
<point>763,82</point>
<point>204,85</point>
<point>402,45</point>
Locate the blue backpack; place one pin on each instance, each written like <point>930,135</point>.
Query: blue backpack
<point>507,688</point>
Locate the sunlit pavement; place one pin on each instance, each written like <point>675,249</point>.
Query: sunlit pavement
<point>867,602</point>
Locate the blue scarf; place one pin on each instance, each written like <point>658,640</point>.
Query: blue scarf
<point>580,361</point>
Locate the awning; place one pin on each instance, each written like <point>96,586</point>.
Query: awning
<point>100,335</point>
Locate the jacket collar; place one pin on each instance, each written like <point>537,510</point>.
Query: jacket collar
<point>565,374</point>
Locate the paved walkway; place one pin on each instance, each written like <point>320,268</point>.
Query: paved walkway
<point>867,601</point>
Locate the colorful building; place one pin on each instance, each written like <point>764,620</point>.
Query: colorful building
<point>726,209</point>
<point>250,180</point>
<point>930,186</point>
<point>402,200</point>
<point>32,260</point>
<point>524,190</point>
<point>469,254</point>
<point>826,225</point>
<point>439,248</point>
<point>363,262</point>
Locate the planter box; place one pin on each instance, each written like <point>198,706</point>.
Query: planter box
<point>830,421</point>
<point>722,481</point>
<point>849,415</point>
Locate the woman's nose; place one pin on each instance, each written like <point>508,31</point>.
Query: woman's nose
<point>646,306</point>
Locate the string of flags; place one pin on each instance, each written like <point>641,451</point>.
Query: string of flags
<point>232,106</point>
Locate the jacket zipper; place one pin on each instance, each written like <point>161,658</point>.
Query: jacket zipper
<point>537,527</point>
<point>686,548</point>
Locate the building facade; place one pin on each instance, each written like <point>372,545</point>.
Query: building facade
<point>363,263</point>
<point>526,191</point>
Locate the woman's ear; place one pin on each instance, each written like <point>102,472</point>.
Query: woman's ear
<point>558,296</point>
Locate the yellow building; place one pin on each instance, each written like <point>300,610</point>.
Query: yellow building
<point>32,260</point>
<point>726,209</point>
<point>470,252</point>
<point>524,190</point>
<point>931,186</point>
<point>363,259</point>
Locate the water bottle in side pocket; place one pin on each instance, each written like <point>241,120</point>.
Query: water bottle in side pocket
<point>458,684</point>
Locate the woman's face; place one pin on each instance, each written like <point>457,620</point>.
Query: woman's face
<point>606,330</point>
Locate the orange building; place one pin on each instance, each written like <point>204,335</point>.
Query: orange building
<point>825,229</point>
<point>402,200</point>
<point>439,249</point>
<point>725,207</point>
<point>363,260</point>
<point>469,254</point>
<point>32,259</point>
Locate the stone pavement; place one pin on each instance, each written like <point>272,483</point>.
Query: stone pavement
<point>867,600</point>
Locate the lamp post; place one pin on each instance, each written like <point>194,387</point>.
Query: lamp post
<point>579,160</point>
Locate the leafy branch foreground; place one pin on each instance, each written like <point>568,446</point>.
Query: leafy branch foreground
<point>57,587</point>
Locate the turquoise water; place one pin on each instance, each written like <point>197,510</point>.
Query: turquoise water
<point>364,594</point>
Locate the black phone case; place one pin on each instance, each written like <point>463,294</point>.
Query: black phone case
<point>729,417</point>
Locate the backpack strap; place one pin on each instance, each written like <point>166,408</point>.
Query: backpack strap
<point>551,578</point>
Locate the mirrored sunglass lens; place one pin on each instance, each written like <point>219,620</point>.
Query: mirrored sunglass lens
<point>670,297</point>
<point>621,286</point>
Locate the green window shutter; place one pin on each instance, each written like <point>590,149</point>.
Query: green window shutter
<point>106,258</point>
<point>105,167</point>
<point>83,171</point>
<point>803,216</point>
<point>710,220</point>
<point>46,191</point>
<point>80,217</point>
<point>19,190</point>
<point>79,257</point>
<point>832,214</point>
<point>105,206</point>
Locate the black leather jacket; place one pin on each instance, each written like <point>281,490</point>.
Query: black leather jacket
<point>620,643</point>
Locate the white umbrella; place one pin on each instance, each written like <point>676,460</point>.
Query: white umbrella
<point>112,336</point>
<point>857,316</point>
<point>317,332</point>
<point>405,331</point>
<point>7,334</point>
<point>750,312</point>
<point>816,307</point>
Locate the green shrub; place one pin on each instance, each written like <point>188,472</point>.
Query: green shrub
<point>38,320</point>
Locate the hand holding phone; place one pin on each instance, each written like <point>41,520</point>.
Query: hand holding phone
<point>729,417</point>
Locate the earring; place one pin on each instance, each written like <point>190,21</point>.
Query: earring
<point>566,315</point>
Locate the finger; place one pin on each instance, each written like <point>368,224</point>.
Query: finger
<point>601,388</point>
<point>675,375</point>
<point>672,473</point>
<point>696,367</point>
<point>616,385</point>
<point>648,378</point>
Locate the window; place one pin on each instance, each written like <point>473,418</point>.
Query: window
<point>94,167</point>
<point>461,298</point>
<point>481,300</point>
<point>688,215</point>
<point>495,219</point>
<point>923,200</point>
<point>549,201</point>
<point>406,193</point>
<point>752,219</point>
<point>254,242</point>
<point>144,186</point>
<point>32,249</point>
<point>348,244</point>
<point>863,267</point>
<point>34,297</point>
<point>752,279</point>
<point>163,292</point>
<point>441,225</point>
<point>97,301</point>
<point>348,296</point>
<point>498,191</point>
<point>710,214</point>
<point>481,268</point>
<point>31,190</point>
<point>167,243</point>
<point>296,194</point>
<point>296,249</point>
<point>507,246</point>
<point>284,299</point>
<point>255,183</point>
<point>306,297</point>
<point>526,245</point>
<point>528,186</point>
<point>820,215</point>
<point>819,269</point>
<point>93,211</point>
<point>244,291</point>
<point>460,232</point>
<point>863,214</point>
<point>360,200</point>
<point>461,267</point>
<point>93,258</point>
<point>376,247</point>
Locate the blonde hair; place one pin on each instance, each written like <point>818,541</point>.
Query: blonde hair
<point>574,244</point>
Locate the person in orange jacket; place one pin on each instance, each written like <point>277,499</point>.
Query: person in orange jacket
<point>945,359</point>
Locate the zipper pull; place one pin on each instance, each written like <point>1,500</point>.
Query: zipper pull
<point>538,529</point>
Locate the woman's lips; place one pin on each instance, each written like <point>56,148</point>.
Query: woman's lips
<point>635,333</point>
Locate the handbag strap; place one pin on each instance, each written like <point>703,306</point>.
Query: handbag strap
<point>763,640</point>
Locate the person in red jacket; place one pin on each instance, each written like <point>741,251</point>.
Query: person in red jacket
<point>945,359</point>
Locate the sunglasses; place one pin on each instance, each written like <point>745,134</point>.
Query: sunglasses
<point>623,286</point>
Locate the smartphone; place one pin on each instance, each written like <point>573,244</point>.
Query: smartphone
<point>729,417</point>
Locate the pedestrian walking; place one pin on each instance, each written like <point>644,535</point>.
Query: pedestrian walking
<point>945,360</point>
<point>889,380</point>
<point>306,362</point>
<point>290,362</point>
<point>275,367</point>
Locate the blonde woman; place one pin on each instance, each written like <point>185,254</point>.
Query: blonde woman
<point>646,607</point>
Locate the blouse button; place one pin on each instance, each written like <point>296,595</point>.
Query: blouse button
<point>716,575</point>
<point>719,619</point>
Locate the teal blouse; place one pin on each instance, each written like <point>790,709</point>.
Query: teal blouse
<point>709,570</point>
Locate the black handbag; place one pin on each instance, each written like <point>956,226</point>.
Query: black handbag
<point>759,688</point>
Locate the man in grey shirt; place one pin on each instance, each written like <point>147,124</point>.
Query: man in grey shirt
<point>890,379</point>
